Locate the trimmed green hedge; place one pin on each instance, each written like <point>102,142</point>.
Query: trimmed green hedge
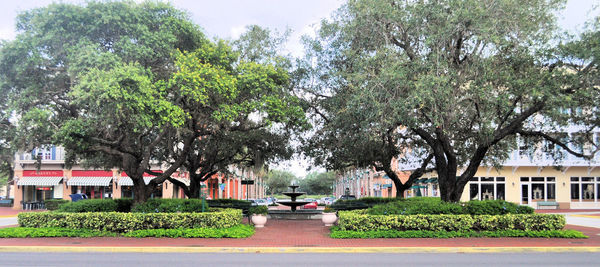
<point>337,233</point>
<point>238,231</point>
<point>126,222</point>
<point>360,221</point>
<point>53,204</point>
<point>22,232</point>
<point>155,205</point>
<point>424,205</point>
<point>169,205</point>
<point>89,205</point>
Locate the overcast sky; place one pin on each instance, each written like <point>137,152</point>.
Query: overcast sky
<point>228,18</point>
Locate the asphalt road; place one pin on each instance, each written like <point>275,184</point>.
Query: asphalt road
<point>281,259</point>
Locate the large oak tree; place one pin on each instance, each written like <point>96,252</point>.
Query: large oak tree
<point>455,84</point>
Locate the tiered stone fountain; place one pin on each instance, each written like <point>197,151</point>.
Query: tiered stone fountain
<point>294,214</point>
<point>293,203</point>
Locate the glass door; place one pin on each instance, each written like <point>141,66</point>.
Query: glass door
<point>525,196</point>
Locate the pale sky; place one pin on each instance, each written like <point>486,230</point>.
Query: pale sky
<point>228,18</point>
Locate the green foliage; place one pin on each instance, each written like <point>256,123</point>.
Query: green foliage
<point>336,232</point>
<point>428,205</point>
<point>495,207</point>
<point>124,222</point>
<point>259,210</point>
<point>230,203</point>
<point>123,204</point>
<point>403,79</point>
<point>329,209</point>
<point>318,183</point>
<point>361,221</point>
<point>89,205</point>
<point>21,232</point>
<point>238,231</point>
<point>167,205</point>
<point>53,204</point>
<point>278,181</point>
<point>417,207</point>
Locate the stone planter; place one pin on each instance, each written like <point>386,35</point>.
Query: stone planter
<point>329,218</point>
<point>259,220</point>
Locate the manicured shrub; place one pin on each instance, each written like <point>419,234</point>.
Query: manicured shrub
<point>361,221</point>
<point>428,205</point>
<point>167,205</point>
<point>336,232</point>
<point>21,232</point>
<point>53,204</point>
<point>230,203</point>
<point>417,206</point>
<point>263,210</point>
<point>495,207</point>
<point>125,222</point>
<point>89,205</point>
<point>238,231</point>
<point>124,204</point>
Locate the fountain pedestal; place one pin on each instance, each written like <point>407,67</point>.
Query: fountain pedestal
<point>292,203</point>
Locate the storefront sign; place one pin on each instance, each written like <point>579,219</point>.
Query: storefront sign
<point>44,188</point>
<point>45,173</point>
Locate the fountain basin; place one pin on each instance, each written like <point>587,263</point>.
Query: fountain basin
<point>296,215</point>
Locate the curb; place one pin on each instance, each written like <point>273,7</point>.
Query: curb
<point>8,216</point>
<point>398,250</point>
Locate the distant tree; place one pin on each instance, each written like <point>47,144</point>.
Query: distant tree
<point>278,181</point>
<point>457,84</point>
<point>318,183</point>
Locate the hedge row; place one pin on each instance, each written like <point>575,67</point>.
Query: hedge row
<point>22,232</point>
<point>436,206</point>
<point>126,222</point>
<point>337,233</point>
<point>53,204</point>
<point>97,205</point>
<point>155,205</point>
<point>360,221</point>
<point>238,231</point>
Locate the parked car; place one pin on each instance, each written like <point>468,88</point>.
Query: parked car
<point>261,202</point>
<point>312,205</point>
<point>347,197</point>
<point>326,200</point>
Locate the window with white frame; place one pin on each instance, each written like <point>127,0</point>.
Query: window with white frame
<point>585,189</point>
<point>487,188</point>
<point>541,188</point>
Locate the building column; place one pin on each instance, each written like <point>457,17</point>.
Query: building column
<point>219,182</point>
<point>116,184</point>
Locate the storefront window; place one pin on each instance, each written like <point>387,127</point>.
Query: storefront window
<point>474,190</point>
<point>584,189</point>
<point>537,192</point>
<point>500,191</point>
<point>574,189</point>
<point>126,191</point>
<point>486,188</point>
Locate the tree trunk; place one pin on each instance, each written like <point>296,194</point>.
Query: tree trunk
<point>11,176</point>
<point>141,192</point>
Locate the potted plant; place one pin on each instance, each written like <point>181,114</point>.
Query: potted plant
<point>329,216</point>
<point>258,215</point>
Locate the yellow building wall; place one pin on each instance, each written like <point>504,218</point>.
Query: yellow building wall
<point>563,182</point>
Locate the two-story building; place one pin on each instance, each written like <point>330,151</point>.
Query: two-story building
<point>33,185</point>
